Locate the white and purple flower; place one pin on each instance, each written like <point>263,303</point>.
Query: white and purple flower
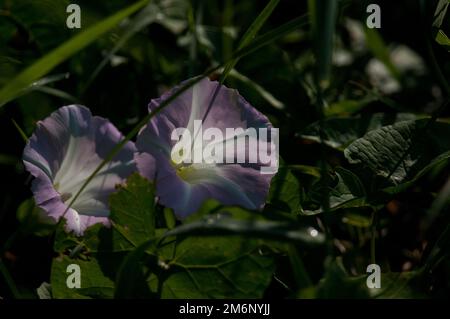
<point>185,186</point>
<point>64,150</point>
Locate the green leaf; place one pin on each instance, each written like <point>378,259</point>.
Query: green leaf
<point>341,131</point>
<point>400,151</point>
<point>132,216</point>
<point>97,275</point>
<point>99,239</point>
<point>215,267</point>
<point>348,192</point>
<point>41,67</point>
<point>133,209</point>
<point>349,187</point>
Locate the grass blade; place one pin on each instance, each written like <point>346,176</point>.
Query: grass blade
<point>323,19</point>
<point>272,36</point>
<point>250,34</point>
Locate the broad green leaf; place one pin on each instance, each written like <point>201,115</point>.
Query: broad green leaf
<point>97,276</point>
<point>400,151</point>
<point>41,67</point>
<point>132,216</point>
<point>98,239</point>
<point>341,131</point>
<point>215,267</point>
<point>349,187</point>
<point>133,210</point>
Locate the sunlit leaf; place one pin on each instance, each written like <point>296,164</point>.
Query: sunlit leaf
<point>132,210</point>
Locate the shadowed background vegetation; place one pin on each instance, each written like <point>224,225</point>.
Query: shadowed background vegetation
<point>365,140</point>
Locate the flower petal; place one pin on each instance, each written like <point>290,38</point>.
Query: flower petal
<point>185,188</point>
<point>64,150</point>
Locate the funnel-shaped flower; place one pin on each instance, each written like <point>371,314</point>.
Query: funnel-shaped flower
<point>208,143</point>
<point>64,150</point>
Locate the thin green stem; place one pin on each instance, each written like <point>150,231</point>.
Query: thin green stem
<point>21,132</point>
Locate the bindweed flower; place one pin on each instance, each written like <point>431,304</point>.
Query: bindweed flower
<point>208,143</point>
<point>64,150</point>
